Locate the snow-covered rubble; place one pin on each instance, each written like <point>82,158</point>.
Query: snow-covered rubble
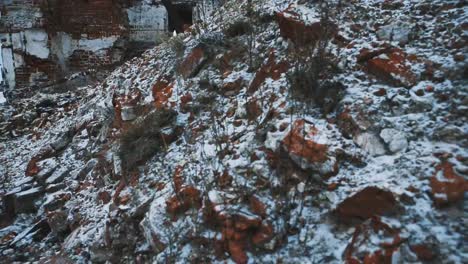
<point>246,171</point>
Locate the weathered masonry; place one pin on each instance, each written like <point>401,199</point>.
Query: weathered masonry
<point>42,41</point>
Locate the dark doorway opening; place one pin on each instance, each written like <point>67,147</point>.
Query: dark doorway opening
<point>180,18</point>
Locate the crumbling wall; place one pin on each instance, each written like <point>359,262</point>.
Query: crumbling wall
<point>45,40</point>
<point>147,22</point>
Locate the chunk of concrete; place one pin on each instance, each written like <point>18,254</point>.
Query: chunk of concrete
<point>47,167</point>
<point>128,113</point>
<point>395,140</point>
<point>57,176</point>
<point>370,143</point>
<point>23,202</point>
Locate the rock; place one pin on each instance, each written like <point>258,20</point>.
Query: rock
<point>232,87</point>
<point>366,203</point>
<point>186,104</point>
<point>56,201</point>
<point>253,110</point>
<point>63,140</point>
<point>390,65</point>
<point>370,143</point>
<point>292,28</point>
<point>380,92</point>
<point>187,198</point>
<point>23,202</point>
<point>104,196</point>
<point>450,134</point>
<point>263,235</point>
<point>128,113</point>
<point>244,221</point>
<point>347,124</point>
<point>236,249</point>
<point>447,186</point>
<point>241,229</point>
<point>424,252</point>
<point>57,176</point>
<point>193,62</point>
<point>25,183</point>
<point>57,221</point>
<point>46,168</point>
<point>81,174</point>
<point>139,211</point>
<point>396,140</point>
<point>32,167</point>
<point>162,91</point>
<point>373,242</point>
<point>55,187</point>
<point>257,206</point>
<point>127,101</point>
<point>39,230</point>
<point>100,254</point>
<point>396,31</point>
<point>307,147</point>
<point>271,69</point>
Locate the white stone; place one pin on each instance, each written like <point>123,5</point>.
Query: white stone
<point>370,143</point>
<point>396,140</point>
<point>301,187</point>
<point>96,45</point>
<point>147,22</point>
<point>17,41</point>
<point>18,60</point>
<point>397,31</point>
<point>2,98</point>
<point>215,197</point>
<point>1,65</point>
<point>128,113</point>
<point>8,67</point>
<point>36,43</point>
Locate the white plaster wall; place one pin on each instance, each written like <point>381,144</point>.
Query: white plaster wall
<point>36,43</point>
<point>8,66</point>
<point>1,63</point>
<point>95,45</point>
<point>16,40</point>
<point>18,60</point>
<point>63,45</point>
<point>147,22</point>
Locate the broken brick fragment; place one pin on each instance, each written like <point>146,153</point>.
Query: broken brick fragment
<point>366,203</point>
<point>391,65</point>
<point>162,91</point>
<point>362,249</point>
<point>447,186</point>
<point>193,62</point>
<point>294,29</point>
<point>305,147</point>
<point>187,198</point>
<point>271,69</point>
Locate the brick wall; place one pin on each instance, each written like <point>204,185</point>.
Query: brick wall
<point>83,59</point>
<point>37,71</point>
<point>92,18</point>
<point>77,35</point>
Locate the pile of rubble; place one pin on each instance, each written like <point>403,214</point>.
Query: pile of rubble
<point>201,151</point>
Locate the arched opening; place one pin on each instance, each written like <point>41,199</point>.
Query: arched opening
<point>180,15</point>
<point>185,13</point>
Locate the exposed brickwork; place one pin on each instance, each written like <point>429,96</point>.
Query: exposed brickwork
<point>82,59</point>
<point>74,25</point>
<point>94,19</point>
<point>37,71</point>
